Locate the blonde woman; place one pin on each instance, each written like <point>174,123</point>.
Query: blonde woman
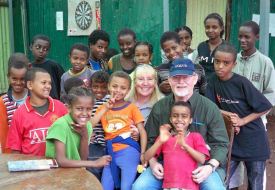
<point>144,91</point>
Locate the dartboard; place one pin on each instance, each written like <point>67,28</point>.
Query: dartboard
<point>83,15</point>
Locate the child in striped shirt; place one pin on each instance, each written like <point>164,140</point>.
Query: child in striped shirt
<point>99,87</point>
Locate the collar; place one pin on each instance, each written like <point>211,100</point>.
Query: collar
<point>77,74</point>
<point>245,58</point>
<point>30,108</point>
<point>192,100</point>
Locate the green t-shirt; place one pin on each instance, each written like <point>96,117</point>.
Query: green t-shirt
<point>62,130</point>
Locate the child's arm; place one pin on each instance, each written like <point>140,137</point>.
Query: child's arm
<point>105,107</point>
<point>239,122</point>
<point>163,137</point>
<point>198,156</point>
<point>84,139</point>
<point>64,162</point>
<point>143,140</point>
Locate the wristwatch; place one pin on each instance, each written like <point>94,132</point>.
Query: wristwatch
<point>212,166</point>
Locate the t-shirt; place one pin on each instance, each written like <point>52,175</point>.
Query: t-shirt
<point>56,71</point>
<point>28,130</point>
<point>3,127</point>
<point>97,65</point>
<point>61,130</point>
<point>178,164</point>
<point>117,121</point>
<point>259,69</point>
<point>206,58</point>
<point>84,75</point>
<point>115,65</point>
<point>207,120</point>
<point>238,95</point>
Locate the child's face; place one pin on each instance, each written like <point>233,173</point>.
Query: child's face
<point>40,86</point>
<point>172,50</point>
<point>247,38</point>
<point>212,28</point>
<point>81,110</point>
<point>40,49</point>
<point>145,84</point>
<point>180,118</point>
<point>99,49</point>
<point>17,79</point>
<point>224,63</point>
<point>119,88</point>
<point>99,89</point>
<point>185,39</point>
<point>126,45</point>
<point>142,55</point>
<point>78,60</point>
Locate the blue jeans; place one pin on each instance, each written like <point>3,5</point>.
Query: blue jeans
<point>96,151</point>
<point>127,161</point>
<point>148,181</point>
<point>255,173</point>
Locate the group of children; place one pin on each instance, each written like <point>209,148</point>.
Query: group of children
<point>94,119</point>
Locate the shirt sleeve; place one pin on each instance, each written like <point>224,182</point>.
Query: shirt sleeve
<point>152,127</point>
<point>3,125</point>
<point>137,115</point>
<point>269,82</point>
<point>15,134</point>
<point>200,145</point>
<point>58,131</point>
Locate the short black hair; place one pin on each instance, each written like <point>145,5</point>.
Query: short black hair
<point>81,47</point>
<point>126,31</point>
<point>228,48</point>
<point>150,47</point>
<point>41,37</point>
<point>169,35</point>
<point>99,77</point>
<point>72,82</point>
<point>98,35</point>
<point>182,103</point>
<point>121,74</point>
<point>186,28</point>
<point>77,92</point>
<point>18,61</point>
<point>31,73</point>
<point>217,17</point>
<point>253,25</point>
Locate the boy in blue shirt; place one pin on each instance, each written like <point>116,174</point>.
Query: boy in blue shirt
<point>99,41</point>
<point>238,99</point>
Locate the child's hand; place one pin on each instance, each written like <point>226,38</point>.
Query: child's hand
<point>103,161</point>
<point>80,129</point>
<point>110,103</point>
<point>164,133</point>
<point>134,132</point>
<point>237,130</point>
<point>142,160</point>
<point>236,120</point>
<point>180,140</point>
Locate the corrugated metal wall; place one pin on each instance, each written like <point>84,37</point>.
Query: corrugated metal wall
<point>4,47</point>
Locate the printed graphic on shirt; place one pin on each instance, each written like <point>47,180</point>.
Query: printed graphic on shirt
<point>115,125</point>
<point>206,59</point>
<point>256,77</point>
<point>227,101</point>
<point>53,118</point>
<point>38,135</point>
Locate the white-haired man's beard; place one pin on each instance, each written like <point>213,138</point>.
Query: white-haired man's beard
<point>181,92</point>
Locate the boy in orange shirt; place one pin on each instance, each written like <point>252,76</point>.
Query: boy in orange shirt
<point>116,117</point>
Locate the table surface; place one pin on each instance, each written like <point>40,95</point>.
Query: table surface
<point>57,178</point>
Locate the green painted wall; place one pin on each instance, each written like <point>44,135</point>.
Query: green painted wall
<point>245,10</point>
<point>145,17</point>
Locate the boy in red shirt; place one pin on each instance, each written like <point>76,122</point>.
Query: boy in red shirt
<point>29,127</point>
